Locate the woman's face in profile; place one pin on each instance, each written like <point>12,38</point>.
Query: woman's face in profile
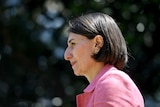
<point>79,52</point>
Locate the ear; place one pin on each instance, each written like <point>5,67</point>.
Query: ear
<point>98,40</point>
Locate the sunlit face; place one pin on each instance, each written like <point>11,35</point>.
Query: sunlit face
<point>79,52</point>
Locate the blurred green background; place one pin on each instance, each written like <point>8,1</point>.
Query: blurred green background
<point>33,72</point>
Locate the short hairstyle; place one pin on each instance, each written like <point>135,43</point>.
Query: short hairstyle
<point>114,50</point>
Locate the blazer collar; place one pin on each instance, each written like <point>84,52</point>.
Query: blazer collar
<point>92,85</point>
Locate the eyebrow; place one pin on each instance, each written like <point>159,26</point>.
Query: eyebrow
<point>70,40</point>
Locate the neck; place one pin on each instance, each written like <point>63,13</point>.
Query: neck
<point>94,71</point>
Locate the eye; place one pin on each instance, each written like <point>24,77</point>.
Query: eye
<point>72,43</point>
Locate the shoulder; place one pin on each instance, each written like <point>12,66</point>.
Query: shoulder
<point>111,87</point>
<point>114,77</point>
<point>116,84</point>
<point>117,88</point>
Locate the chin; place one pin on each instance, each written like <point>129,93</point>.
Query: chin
<point>77,74</point>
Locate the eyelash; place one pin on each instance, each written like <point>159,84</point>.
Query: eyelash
<point>72,44</point>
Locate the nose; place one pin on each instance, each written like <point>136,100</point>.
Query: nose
<point>67,54</point>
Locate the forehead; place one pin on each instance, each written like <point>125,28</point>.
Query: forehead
<point>74,36</point>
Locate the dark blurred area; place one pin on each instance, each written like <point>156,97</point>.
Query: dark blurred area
<point>33,34</point>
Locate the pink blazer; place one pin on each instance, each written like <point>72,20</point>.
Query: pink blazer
<point>111,88</point>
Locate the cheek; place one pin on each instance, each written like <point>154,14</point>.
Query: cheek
<point>85,55</point>
<point>84,52</point>
<point>88,51</point>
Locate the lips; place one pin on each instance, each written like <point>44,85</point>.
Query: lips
<point>72,63</point>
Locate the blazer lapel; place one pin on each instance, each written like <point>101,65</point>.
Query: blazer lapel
<point>83,99</point>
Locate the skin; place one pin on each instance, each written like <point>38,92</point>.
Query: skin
<point>79,52</point>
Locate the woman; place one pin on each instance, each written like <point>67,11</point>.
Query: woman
<point>97,50</point>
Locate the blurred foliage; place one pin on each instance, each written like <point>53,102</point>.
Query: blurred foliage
<point>33,38</point>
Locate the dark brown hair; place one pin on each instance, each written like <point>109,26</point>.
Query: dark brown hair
<point>114,50</point>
